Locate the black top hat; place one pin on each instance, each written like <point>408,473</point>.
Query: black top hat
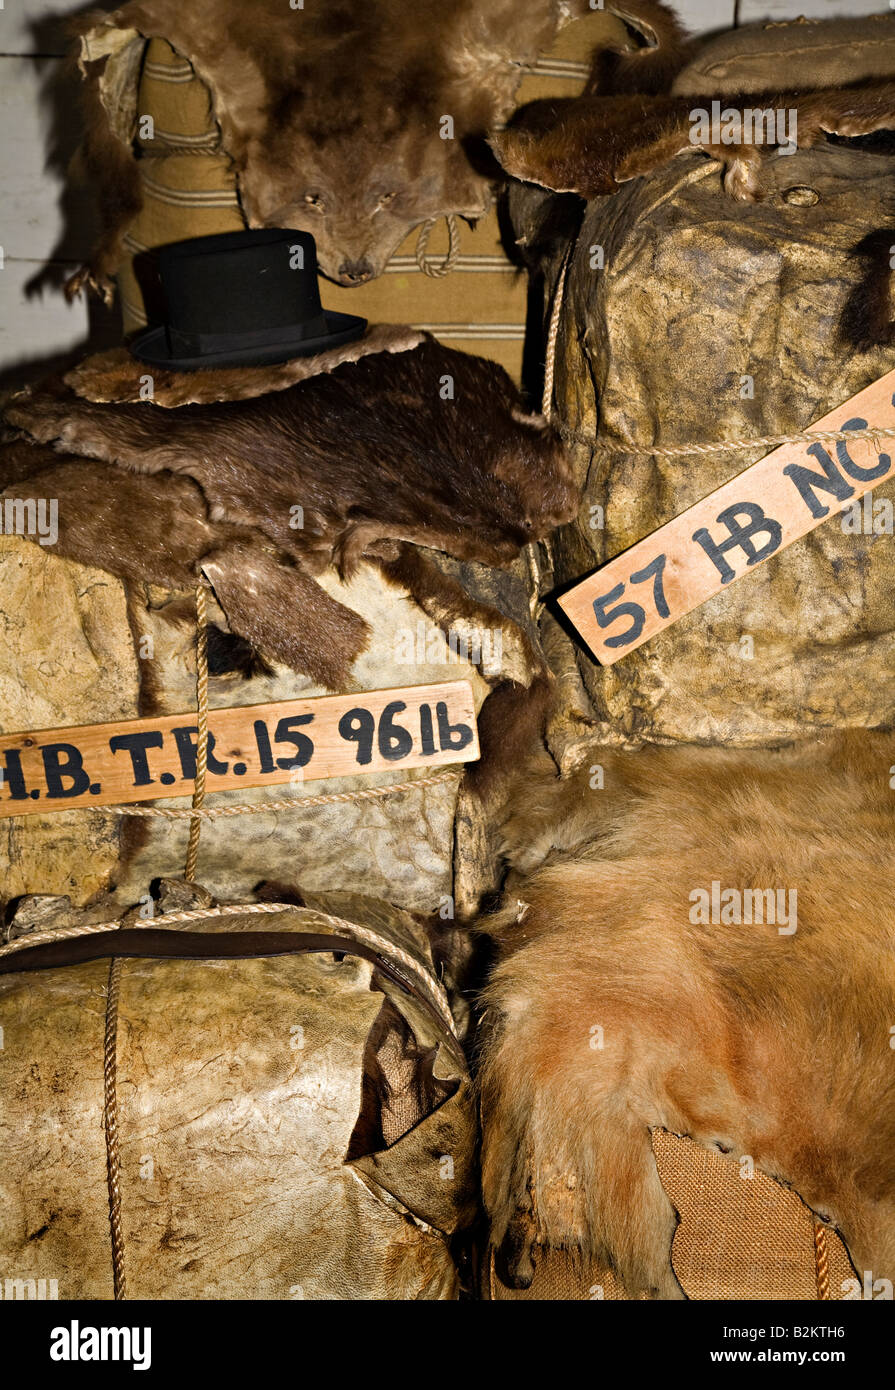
<point>241,299</point>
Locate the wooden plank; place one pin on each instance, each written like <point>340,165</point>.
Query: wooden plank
<point>255,746</point>
<point>757,514</point>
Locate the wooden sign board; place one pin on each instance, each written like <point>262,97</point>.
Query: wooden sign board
<point>722,538</point>
<point>256,746</point>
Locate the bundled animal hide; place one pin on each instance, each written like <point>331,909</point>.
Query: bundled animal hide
<point>121,576</point>
<point>117,376</point>
<point>591,145</point>
<point>282,1118</point>
<point>355,122</point>
<point>427,446</point>
<point>640,986</point>
<point>773,313</point>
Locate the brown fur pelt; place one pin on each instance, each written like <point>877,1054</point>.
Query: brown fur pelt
<point>371,453</point>
<point>116,376</point>
<point>332,114</point>
<point>157,530</point>
<point>591,145</point>
<point>761,1042</point>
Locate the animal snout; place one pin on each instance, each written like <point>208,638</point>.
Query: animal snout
<point>356,272</point>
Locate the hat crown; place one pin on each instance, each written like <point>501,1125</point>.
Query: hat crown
<point>240,299</point>
<point>241,282</point>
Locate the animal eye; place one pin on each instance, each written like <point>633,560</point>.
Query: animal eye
<point>386,199</point>
<point>314,200</point>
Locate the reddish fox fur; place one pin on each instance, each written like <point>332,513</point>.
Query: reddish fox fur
<point>773,1045</point>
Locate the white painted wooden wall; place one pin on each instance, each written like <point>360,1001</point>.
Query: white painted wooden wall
<point>45,227</point>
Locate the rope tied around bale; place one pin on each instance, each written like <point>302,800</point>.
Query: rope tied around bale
<point>192,851</point>
<point>383,944</point>
<point>822,1262</point>
<point>531,550</point>
<point>732,446</point>
<point>110,1125</point>
<point>286,803</point>
<point>436,270</point>
<point>552,335</point>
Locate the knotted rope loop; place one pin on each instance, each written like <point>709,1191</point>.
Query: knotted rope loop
<point>437,269</point>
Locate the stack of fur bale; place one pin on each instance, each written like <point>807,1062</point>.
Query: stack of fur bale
<point>685,1072</point>
<point>409,495</point>
<point>357,519</point>
<point>342,1088</point>
<point>695,948</point>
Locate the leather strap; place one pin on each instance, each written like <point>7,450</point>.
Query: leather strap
<point>161,943</point>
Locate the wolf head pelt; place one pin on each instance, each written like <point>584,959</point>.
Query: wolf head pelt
<point>592,145</point>
<point>756,1039</point>
<point>429,446</point>
<point>333,115</point>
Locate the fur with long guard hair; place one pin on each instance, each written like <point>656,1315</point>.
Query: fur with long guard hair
<point>764,1044</point>
<point>332,114</point>
<point>591,145</point>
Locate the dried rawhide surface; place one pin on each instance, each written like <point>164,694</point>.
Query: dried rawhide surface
<point>289,1126</point>
<point>697,940</point>
<point>688,317</point>
<point>382,467</point>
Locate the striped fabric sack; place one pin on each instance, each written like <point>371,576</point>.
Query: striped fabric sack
<point>189,188</point>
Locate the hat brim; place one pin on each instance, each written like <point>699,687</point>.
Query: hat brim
<point>151,347</point>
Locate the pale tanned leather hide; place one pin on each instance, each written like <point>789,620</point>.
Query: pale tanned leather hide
<point>289,1127</point>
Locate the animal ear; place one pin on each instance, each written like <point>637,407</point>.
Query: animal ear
<point>651,67</point>
<point>466,193</point>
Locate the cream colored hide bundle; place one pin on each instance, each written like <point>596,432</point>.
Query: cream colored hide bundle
<point>753,297</point>
<point>274,1126</point>
<point>688,316</point>
<point>121,646</point>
